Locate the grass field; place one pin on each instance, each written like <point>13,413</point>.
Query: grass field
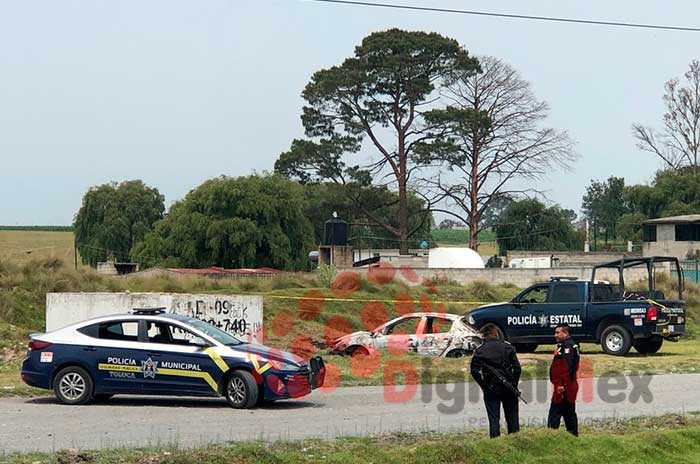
<point>663,439</point>
<point>36,243</point>
<point>451,237</point>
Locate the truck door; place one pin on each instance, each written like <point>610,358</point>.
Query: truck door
<point>524,321</point>
<point>566,305</point>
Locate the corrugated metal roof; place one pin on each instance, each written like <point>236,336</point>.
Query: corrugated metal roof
<point>674,219</point>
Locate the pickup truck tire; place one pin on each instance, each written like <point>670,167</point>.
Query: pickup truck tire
<point>648,346</point>
<point>616,340</point>
<point>525,347</point>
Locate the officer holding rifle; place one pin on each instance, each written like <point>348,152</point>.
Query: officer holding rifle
<point>496,369</point>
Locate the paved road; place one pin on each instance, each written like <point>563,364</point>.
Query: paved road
<point>42,424</point>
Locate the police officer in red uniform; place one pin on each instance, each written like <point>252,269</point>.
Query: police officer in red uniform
<point>562,374</point>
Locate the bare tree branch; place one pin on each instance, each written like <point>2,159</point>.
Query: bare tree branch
<point>678,143</point>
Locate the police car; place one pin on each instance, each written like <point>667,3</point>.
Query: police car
<point>152,352</point>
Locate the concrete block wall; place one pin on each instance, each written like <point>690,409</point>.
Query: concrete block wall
<point>519,277</point>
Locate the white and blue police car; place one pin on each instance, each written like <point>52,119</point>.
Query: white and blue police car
<point>151,352</point>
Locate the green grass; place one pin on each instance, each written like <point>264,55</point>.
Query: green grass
<point>664,439</point>
<point>24,244</point>
<point>460,237</point>
<point>40,228</point>
<point>451,237</point>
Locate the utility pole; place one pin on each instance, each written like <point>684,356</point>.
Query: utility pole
<point>587,243</point>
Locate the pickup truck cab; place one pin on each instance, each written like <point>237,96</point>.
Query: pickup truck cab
<point>596,311</point>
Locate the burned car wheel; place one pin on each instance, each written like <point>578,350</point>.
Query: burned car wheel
<point>357,350</point>
<point>458,353</point>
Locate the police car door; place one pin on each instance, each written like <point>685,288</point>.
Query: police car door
<point>114,352</point>
<point>173,364</point>
<point>566,306</point>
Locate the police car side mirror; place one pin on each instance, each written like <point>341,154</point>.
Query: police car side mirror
<point>199,341</point>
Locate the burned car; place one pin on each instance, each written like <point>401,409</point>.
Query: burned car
<point>430,334</point>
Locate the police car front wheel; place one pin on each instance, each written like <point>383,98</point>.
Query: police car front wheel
<point>241,390</point>
<point>73,385</point>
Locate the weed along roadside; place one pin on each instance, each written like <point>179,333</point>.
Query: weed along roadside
<point>656,440</point>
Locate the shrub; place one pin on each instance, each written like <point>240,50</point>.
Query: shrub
<point>325,273</point>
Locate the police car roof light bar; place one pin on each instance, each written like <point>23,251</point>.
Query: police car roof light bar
<point>148,310</point>
<point>560,278</point>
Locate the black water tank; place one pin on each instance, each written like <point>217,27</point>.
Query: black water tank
<point>335,232</point>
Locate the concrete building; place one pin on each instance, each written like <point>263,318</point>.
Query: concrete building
<point>677,236</point>
<point>569,258</point>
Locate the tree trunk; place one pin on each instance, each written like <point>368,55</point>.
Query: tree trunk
<point>403,219</point>
<point>403,198</point>
<point>474,193</point>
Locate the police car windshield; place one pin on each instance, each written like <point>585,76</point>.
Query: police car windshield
<point>214,332</point>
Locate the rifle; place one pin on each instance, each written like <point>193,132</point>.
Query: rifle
<point>501,378</point>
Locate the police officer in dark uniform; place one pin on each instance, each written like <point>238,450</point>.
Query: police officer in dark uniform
<point>500,355</point>
<point>562,374</point>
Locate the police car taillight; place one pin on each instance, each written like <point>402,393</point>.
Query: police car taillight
<point>36,345</point>
<point>652,314</point>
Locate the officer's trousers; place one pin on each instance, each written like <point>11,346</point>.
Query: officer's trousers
<point>493,404</point>
<point>568,412</point>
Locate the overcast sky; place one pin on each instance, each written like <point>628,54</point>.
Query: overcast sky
<point>175,92</point>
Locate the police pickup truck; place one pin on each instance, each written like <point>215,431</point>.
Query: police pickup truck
<point>596,311</point>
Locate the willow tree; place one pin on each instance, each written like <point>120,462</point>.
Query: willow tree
<point>249,221</point>
<point>113,218</point>
<point>378,95</point>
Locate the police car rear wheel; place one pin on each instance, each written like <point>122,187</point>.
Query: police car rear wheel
<point>73,385</point>
<point>616,340</point>
<point>241,390</point>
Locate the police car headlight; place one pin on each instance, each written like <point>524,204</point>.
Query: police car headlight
<point>471,320</point>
